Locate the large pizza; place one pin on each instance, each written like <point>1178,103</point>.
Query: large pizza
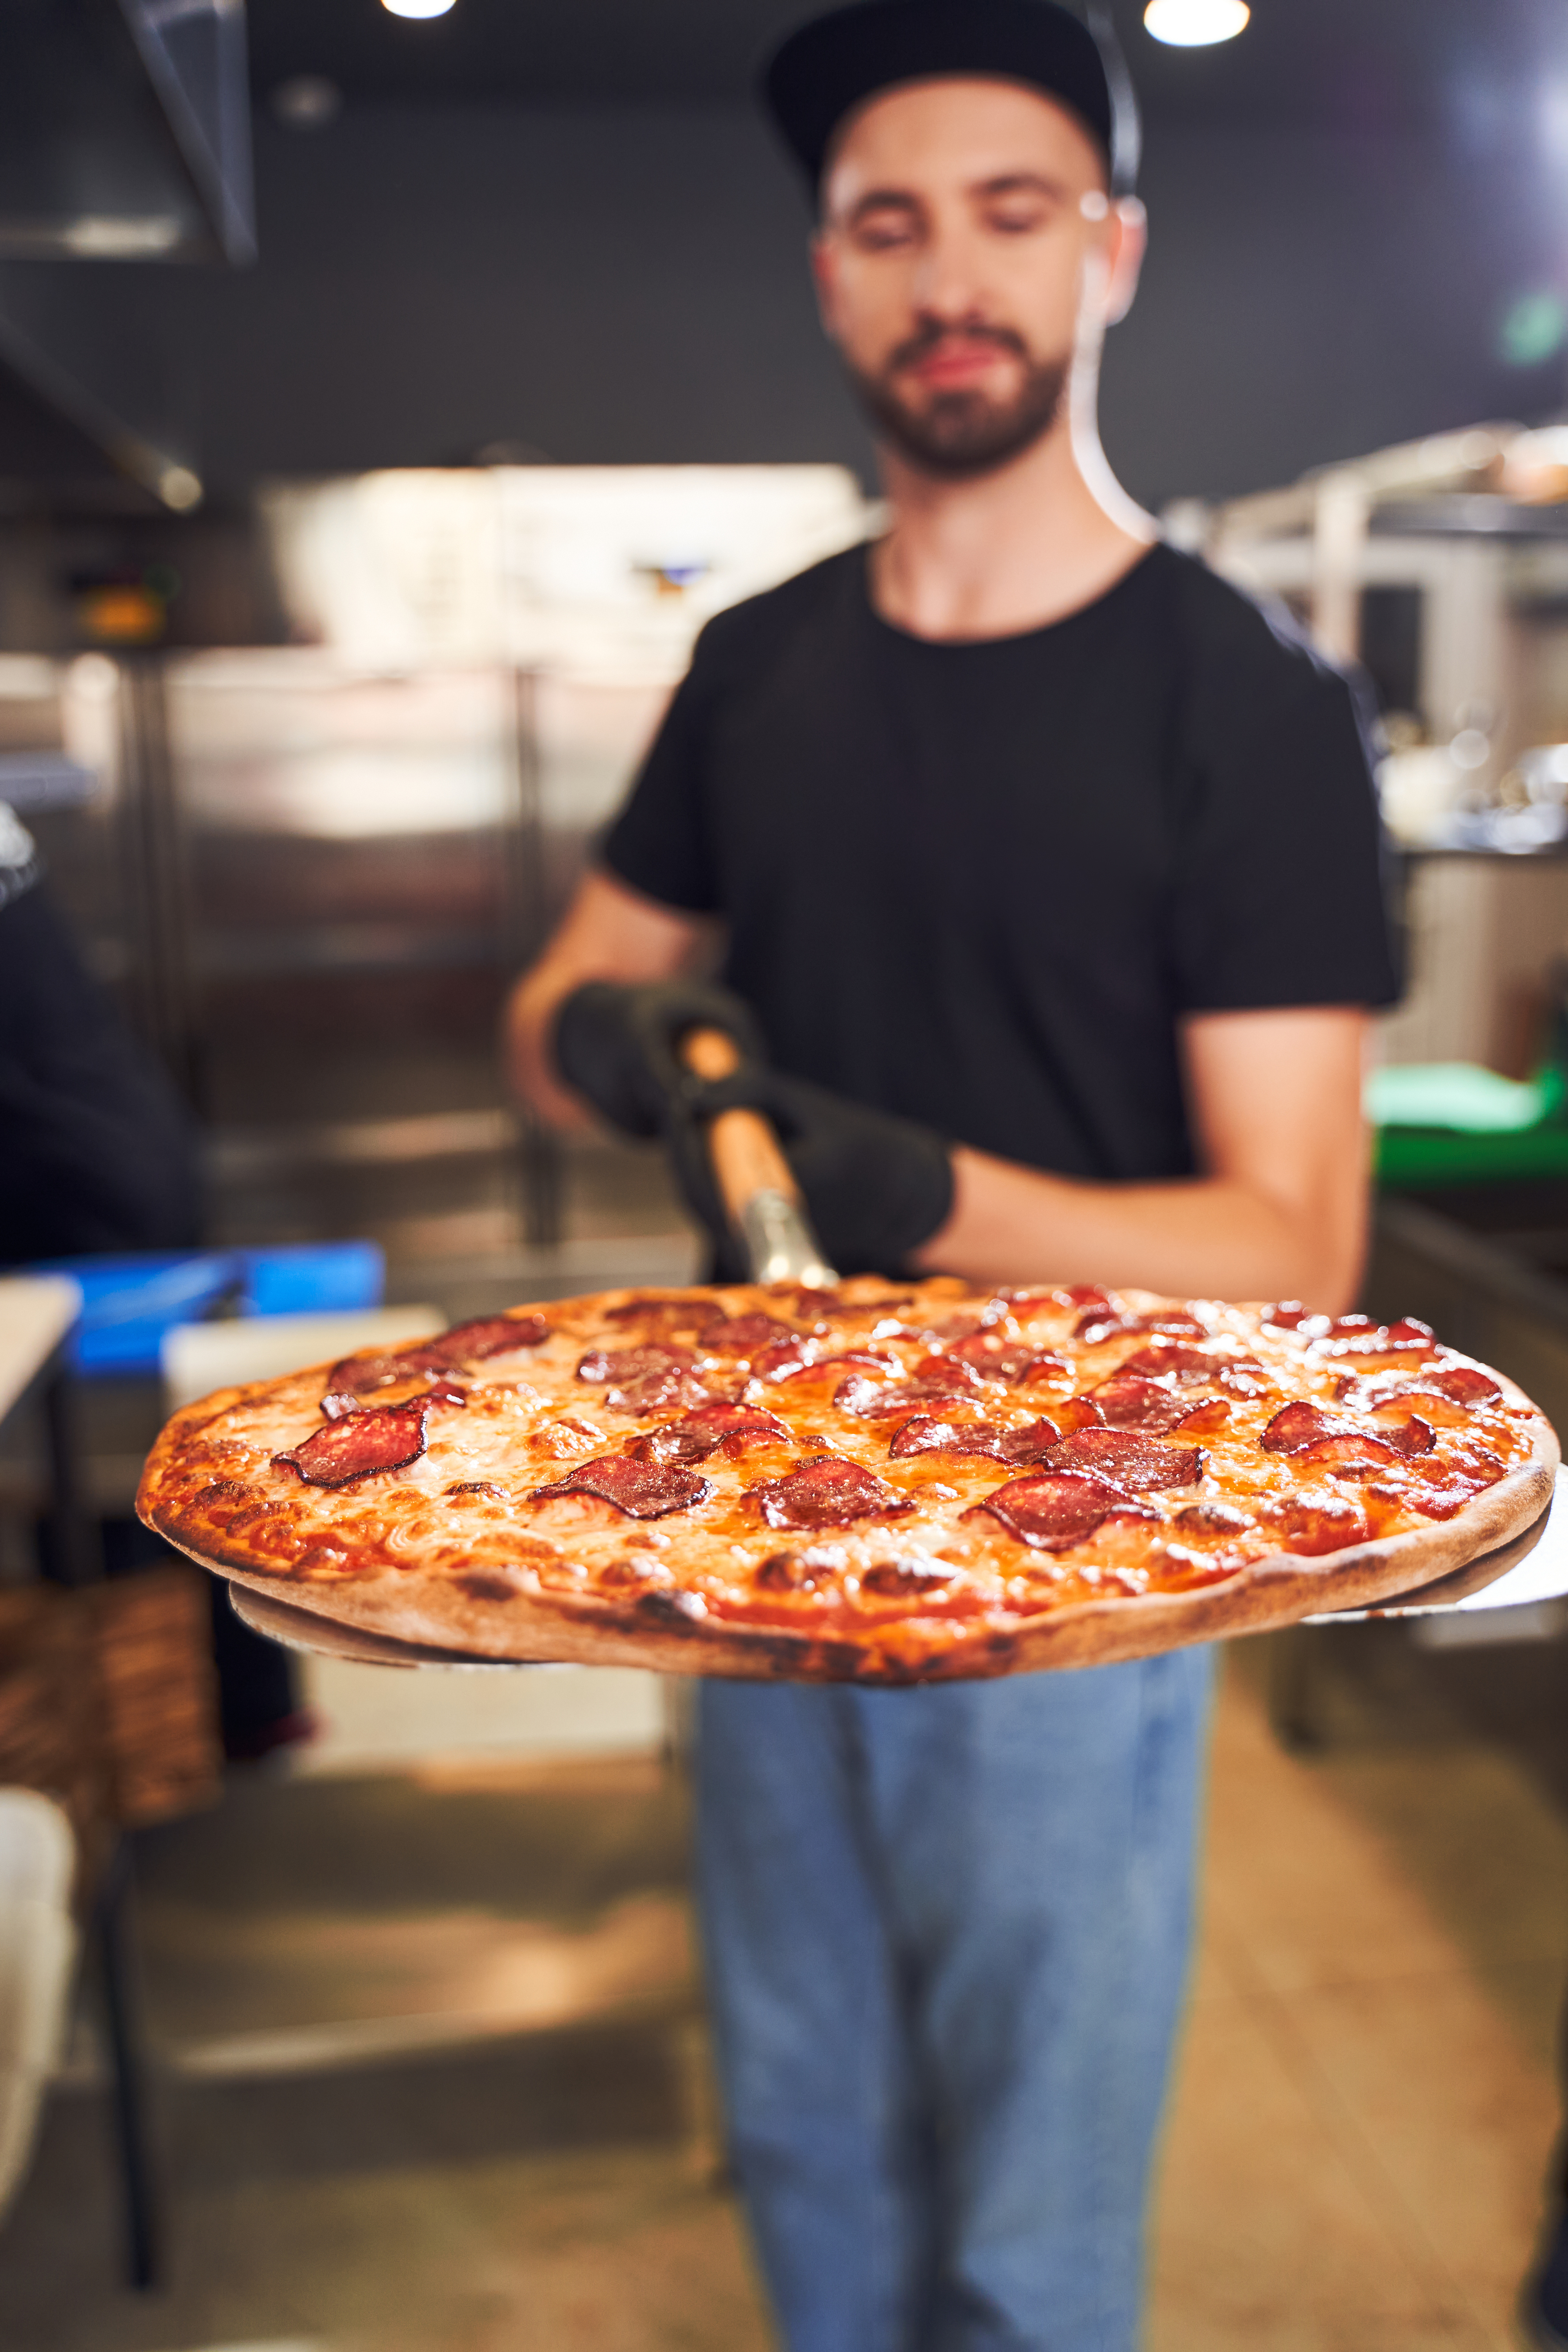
<point>880,1483</point>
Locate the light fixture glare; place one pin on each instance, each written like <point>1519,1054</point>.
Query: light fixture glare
<point>1191,23</point>
<point>416,7</point>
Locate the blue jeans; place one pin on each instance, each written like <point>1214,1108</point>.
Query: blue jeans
<point>946,1933</point>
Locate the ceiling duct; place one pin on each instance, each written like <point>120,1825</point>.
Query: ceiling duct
<point>124,131</point>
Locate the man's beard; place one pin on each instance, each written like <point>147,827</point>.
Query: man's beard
<point>959,436</point>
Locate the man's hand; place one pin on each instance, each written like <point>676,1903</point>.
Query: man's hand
<point>875,1186</point>
<point>619,1047</point>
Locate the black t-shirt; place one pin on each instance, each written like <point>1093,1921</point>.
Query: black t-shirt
<point>980,883</point>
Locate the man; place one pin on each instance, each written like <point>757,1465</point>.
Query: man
<point>1044,867</point>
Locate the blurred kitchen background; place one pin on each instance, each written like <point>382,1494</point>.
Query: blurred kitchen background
<point>385,405</point>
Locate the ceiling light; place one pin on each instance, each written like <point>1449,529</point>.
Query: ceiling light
<point>1187,24</point>
<point>416,7</point>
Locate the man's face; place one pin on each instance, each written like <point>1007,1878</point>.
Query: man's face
<point>950,265</point>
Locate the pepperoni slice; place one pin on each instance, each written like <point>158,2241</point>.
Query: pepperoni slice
<point>677,1312</point>
<point>1289,1314</point>
<point>825,1493</point>
<point>733,1426</point>
<point>1346,1456</point>
<point>656,1390</point>
<point>623,1365</point>
<point>1463,1385</point>
<point>1319,1527</point>
<point>1358,1334</point>
<point>994,1359</point>
<point>927,1435</point>
<point>490,1335</point>
<point>878,1400</point>
<point>1205,1419</point>
<point>743,1335</point>
<point>1298,1424</point>
<point>1102,1324</point>
<point>1043,1367</point>
<point>1409,1436</point>
<point>780,1358</point>
<point>1129,1401</point>
<point>643,1490</point>
<point>1162,1358</point>
<point>1128,1460</point>
<point>874,1360</point>
<point>360,1445</point>
<point>1053,1513</point>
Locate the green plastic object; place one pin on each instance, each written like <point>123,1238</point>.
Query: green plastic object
<point>1442,1123</point>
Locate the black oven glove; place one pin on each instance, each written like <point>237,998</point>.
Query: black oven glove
<point>618,1046</point>
<point>875,1186</point>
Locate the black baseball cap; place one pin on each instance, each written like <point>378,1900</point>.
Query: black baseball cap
<point>829,66</point>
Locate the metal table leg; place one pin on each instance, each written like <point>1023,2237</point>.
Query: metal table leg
<point>121,2012</point>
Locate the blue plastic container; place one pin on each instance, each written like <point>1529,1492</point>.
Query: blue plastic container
<point>128,1303</point>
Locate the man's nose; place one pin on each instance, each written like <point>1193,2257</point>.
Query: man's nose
<point>947,282</point>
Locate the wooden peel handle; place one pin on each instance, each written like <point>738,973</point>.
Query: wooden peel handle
<point>743,1148</point>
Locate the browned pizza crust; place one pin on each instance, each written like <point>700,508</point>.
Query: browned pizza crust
<point>1162,1406</point>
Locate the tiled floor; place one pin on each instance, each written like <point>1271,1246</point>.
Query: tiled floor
<point>433,2082</point>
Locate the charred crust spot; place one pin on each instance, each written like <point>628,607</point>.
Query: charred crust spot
<point>1211,1519</point>
<point>672,1609</point>
<point>903,1580</point>
<point>479,1584</point>
<point>477,1486</point>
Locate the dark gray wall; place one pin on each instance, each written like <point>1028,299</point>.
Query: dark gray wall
<point>622,285</point>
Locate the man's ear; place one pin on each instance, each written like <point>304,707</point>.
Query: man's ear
<point>1128,248</point>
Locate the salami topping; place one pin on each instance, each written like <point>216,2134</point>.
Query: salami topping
<point>872,1359</point>
<point>1289,1314</point>
<point>1348,1457</point>
<point>780,1358</point>
<point>1409,1435</point>
<point>624,1365</point>
<point>927,1434</point>
<point>743,1335</point>
<point>1127,1460</point>
<point>651,1314</point>
<point>657,1390</point>
<point>1463,1385</point>
<point>826,1493</point>
<point>1103,1324</point>
<point>360,1445</point>
<point>994,1359</point>
<point>870,1400</point>
<point>1052,1514</point>
<point>1129,1403</point>
<point>644,1490</point>
<point>1298,1424</point>
<point>1358,1334</point>
<point>1205,1419</point>
<point>701,1434</point>
<point>1163,1358</point>
<point>491,1335</point>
